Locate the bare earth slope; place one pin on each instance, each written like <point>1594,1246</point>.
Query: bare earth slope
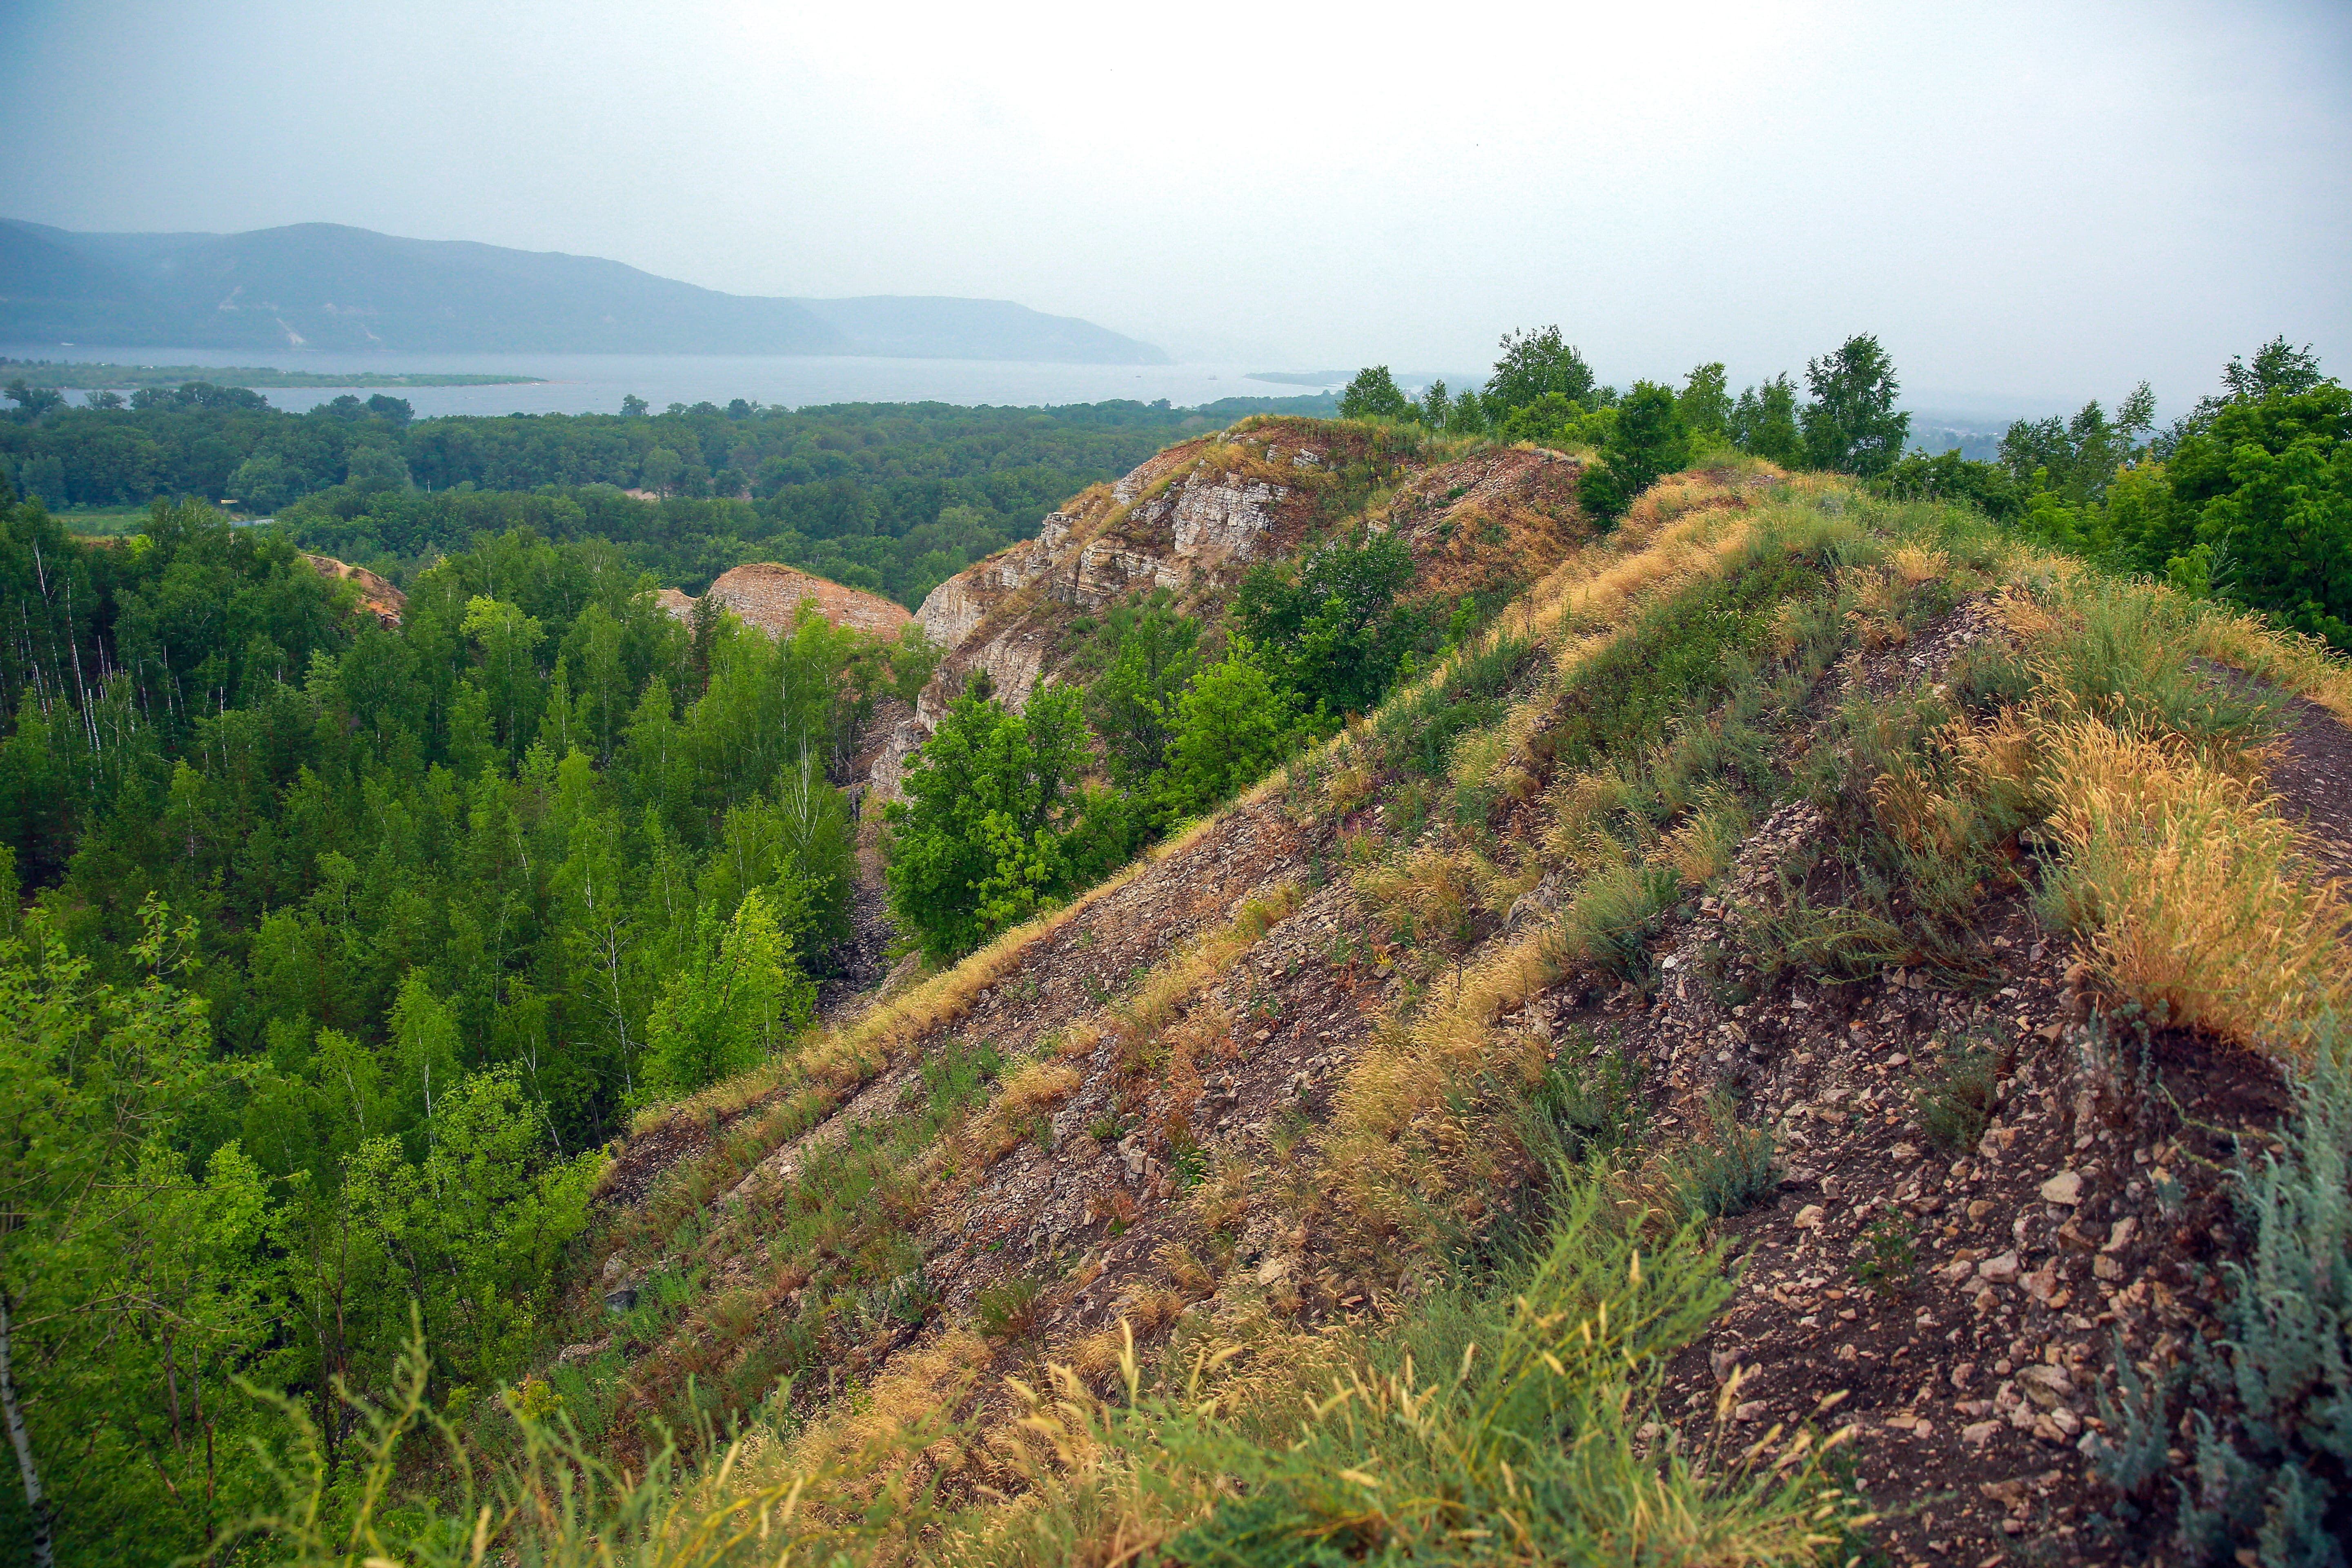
<point>769,596</point>
<point>1712,817</point>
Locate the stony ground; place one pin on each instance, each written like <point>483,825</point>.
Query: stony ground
<point>1959,1298</point>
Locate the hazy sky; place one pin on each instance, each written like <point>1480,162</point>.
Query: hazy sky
<point>2040,201</point>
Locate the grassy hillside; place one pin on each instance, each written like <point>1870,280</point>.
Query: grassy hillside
<point>1815,1034</point>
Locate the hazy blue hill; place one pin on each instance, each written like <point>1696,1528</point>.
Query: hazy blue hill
<point>920,326</point>
<point>328,286</point>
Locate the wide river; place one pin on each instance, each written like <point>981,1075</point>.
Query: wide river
<point>596,384</point>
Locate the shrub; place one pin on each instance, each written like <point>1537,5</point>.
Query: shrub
<point>1731,1171</point>
<point>1646,440</point>
<point>2270,1404</point>
<point>1008,1310</point>
<point>1955,1107</point>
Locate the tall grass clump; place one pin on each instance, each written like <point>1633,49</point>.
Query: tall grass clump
<point>1508,1419</point>
<point>2189,891</point>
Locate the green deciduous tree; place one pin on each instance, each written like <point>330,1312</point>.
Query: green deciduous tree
<point>1646,440</point>
<point>1132,704</point>
<point>1374,395</point>
<point>1232,726</point>
<point>2265,491</point>
<point>1537,362</point>
<point>1764,422</point>
<point>972,848</point>
<point>735,1002</point>
<point>1705,402</point>
<point>1852,424</point>
<point>1330,630</point>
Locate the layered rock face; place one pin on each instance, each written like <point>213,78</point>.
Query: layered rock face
<point>1195,518</point>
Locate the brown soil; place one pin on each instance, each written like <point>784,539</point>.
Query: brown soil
<point>2312,776</point>
<point>377,596</point>
<point>769,597</point>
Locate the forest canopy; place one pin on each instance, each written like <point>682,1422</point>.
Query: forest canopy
<point>892,498</point>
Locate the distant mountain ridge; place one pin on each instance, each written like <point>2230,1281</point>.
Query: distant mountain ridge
<point>328,286</point>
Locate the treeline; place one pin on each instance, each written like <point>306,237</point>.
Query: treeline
<point>2247,498</point>
<point>1544,390</point>
<point>339,951</point>
<point>892,498</point>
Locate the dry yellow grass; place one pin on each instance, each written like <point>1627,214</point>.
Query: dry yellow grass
<point>2188,891</point>
<point>881,1442</point>
<point>2302,665</point>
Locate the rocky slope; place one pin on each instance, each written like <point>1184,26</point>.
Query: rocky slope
<point>769,597</point>
<point>377,596</point>
<point>1194,519</point>
<point>1256,1090</point>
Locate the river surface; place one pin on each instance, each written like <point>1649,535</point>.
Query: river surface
<point>596,384</point>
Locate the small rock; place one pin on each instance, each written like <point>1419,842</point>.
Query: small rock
<point>1810,1217</point>
<point>1748,1410</point>
<point>1962,1372</point>
<point>2105,1268</point>
<point>2066,1187</point>
<point>2119,1235</point>
<point>1976,1434</point>
<point>1999,1269</point>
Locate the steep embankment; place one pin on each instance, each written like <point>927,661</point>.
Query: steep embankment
<point>1195,518</point>
<point>1747,1057</point>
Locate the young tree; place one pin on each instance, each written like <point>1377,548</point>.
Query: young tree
<point>973,845</point>
<point>735,1003</point>
<point>1764,422</point>
<point>1533,362</point>
<point>1853,426</point>
<point>1703,402</point>
<point>1648,440</point>
<point>1436,406</point>
<point>1133,703</point>
<point>1232,726</point>
<point>1374,395</point>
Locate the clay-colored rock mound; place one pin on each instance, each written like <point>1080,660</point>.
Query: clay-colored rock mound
<point>381,599</point>
<point>768,596</point>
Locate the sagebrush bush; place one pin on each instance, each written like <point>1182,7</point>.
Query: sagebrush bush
<point>2269,1405</point>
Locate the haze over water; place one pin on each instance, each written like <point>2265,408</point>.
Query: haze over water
<point>596,384</point>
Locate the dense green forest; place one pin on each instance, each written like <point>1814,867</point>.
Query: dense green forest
<point>892,498</point>
<point>334,954</point>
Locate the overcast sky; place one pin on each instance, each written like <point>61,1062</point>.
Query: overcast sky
<point>2044,202</point>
